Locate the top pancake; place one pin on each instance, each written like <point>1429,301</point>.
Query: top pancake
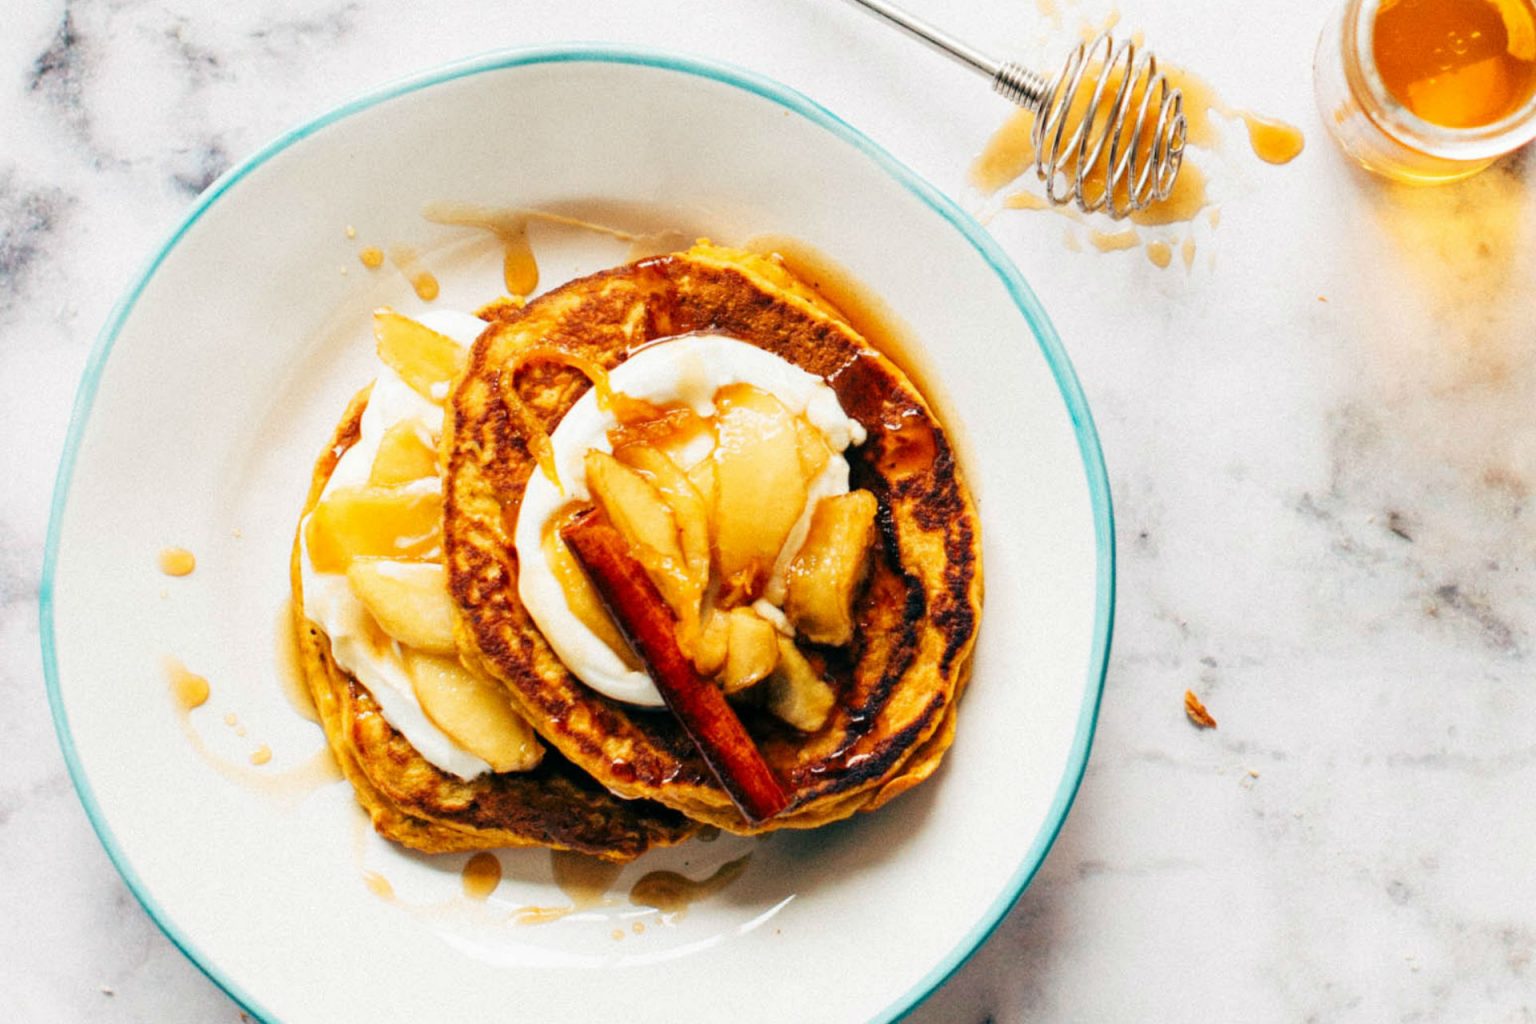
<point>916,620</point>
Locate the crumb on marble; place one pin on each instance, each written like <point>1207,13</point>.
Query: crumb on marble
<point>1196,711</point>
<point>107,991</point>
<point>1397,524</point>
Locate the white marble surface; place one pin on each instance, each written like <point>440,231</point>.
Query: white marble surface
<point>1324,507</point>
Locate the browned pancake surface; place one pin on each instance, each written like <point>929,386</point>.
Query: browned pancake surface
<point>916,620</point>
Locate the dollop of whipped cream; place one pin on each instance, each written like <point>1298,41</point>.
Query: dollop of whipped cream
<point>328,598</point>
<point>687,370</point>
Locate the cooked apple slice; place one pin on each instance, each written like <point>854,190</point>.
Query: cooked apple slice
<point>825,574</point>
<point>382,522</point>
<point>700,707</point>
<point>582,600</point>
<point>405,454</point>
<point>794,692</point>
<point>427,361</point>
<point>812,448</point>
<point>713,643</point>
<point>637,510</point>
<point>475,711</point>
<point>692,518</point>
<point>752,650</point>
<point>409,601</point>
<point>760,490</point>
<point>703,476</point>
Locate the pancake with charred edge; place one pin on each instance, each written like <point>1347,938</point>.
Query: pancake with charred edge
<point>916,619</point>
<point>414,803</point>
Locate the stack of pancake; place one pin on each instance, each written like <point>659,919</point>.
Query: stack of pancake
<point>617,778</point>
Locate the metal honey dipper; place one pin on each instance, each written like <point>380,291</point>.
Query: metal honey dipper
<point>1109,130</point>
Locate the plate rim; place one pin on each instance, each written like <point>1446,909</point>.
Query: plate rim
<point>794,101</point>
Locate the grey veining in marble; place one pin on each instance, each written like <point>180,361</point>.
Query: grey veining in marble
<point>1321,440</point>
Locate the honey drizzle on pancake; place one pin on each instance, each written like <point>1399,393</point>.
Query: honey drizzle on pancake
<point>672,893</point>
<point>625,409</point>
<point>177,562</point>
<point>872,317</point>
<point>481,876</point>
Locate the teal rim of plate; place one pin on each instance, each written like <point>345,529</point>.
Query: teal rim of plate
<point>796,102</point>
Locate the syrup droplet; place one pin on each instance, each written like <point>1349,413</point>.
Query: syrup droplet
<point>1160,253</point>
<point>188,688</point>
<point>426,286</point>
<point>672,893</point>
<point>371,257</point>
<point>261,755</point>
<point>177,562</point>
<point>378,885</point>
<point>481,875</point>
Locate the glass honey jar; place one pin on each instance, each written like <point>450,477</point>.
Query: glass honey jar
<point>1429,91</point>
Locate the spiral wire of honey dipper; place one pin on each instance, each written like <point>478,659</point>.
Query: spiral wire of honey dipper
<point>1109,129</point>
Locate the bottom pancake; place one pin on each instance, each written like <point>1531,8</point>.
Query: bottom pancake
<point>414,803</point>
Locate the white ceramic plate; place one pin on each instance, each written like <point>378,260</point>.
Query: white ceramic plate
<point>226,365</point>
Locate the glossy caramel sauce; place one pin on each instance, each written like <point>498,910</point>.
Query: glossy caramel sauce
<point>371,256</point>
<point>1160,253</point>
<point>188,689</point>
<point>672,893</point>
<point>177,562</point>
<point>1457,63</point>
<point>290,670</point>
<point>481,875</point>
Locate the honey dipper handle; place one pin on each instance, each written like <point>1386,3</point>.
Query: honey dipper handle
<point>940,41</point>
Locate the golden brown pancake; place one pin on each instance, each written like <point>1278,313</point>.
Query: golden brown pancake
<point>414,803</point>
<point>916,620</point>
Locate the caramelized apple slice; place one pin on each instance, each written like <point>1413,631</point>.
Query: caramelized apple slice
<point>752,650</point>
<point>475,711</point>
<point>582,600</point>
<point>700,707</point>
<point>713,643</point>
<point>760,490</point>
<point>692,518</point>
<point>824,577</point>
<point>812,448</point>
<point>381,522</point>
<point>405,454</point>
<point>429,362</point>
<point>637,510</point>
<point>409,601</point>
<point>795,693</point>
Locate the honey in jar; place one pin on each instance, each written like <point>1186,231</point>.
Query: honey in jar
<point>1429,90</point>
